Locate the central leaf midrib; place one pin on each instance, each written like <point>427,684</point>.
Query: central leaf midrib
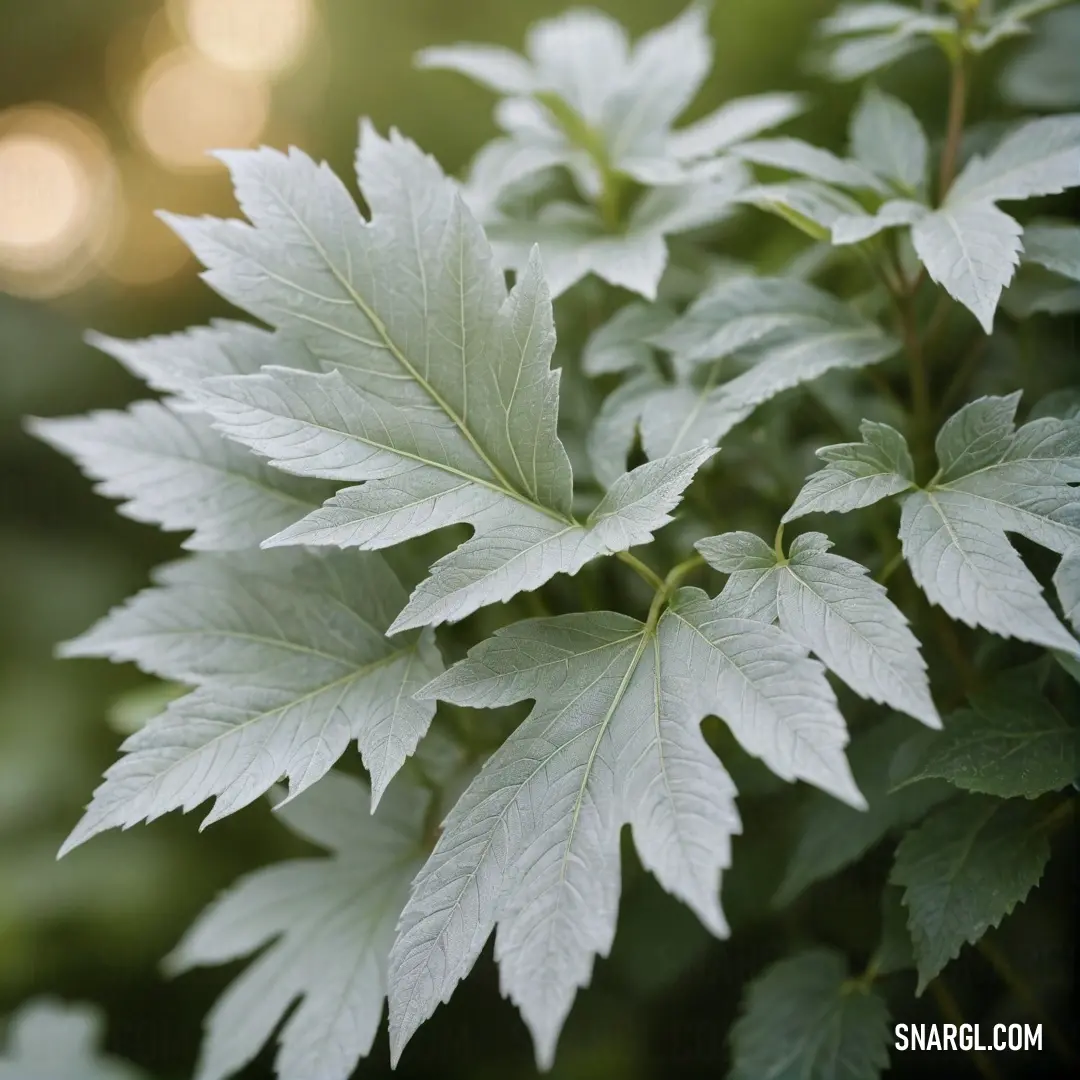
<point>396,352</point>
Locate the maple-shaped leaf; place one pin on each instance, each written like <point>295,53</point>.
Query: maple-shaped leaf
<point>857,474</point>
<point>322,928</point>
<point>52,1040</point>
<point>437,388</point>
<point>532,847</point>
<point>291,661</point>
<point>585,99</point>
<point>829,605</point>
<point>589,98</point>
<point>995,478</point>
<point>738,345</point>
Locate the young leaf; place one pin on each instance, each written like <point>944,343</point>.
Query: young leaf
<point>872,36</point>
<point>969,246</point>
<point>1012,742</point>
<point>995,478</point>
<point>292,662</point>
<point>328,923</point>
<point>532,845</point>
<point>49,1040</point>
<point>854,228</point>
<point>796,156</point>
<point>830,835</point>
<point>804,1017</point>
<point>829,605</point>
<point>173,470</point>
<point>963,870</point>
<point>577,241</point>
<point>972,251</point>
<point>782,331</point>
<point>857,474</point>
<point>887,138</point>
<point>586,99</point>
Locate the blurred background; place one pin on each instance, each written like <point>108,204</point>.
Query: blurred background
<point>107,109</point>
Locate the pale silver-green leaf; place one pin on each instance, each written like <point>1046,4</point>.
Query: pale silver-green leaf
<point>323,928</point>
<point>290,658</point>
<point>532,846</point>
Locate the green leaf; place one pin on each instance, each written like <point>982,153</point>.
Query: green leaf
<point>855,228</point>
<point>1012,742</point>
<point>894,952</point>
<point>963,870</point>
<point>173,470</point>
<point>438,393</point>
<point>995,478</point>
<point>972,250</point>
<point>50,1040</point>
<point>614,430</point>
<point>829,605</point>
<point>831,836</point>
<point>1054,245</point>
<point>782,332</point>
<point>857,474</point>
<point>887,138</point>
<point>1042,157</point>
<point>614,738</point>
<point>862,38</point>
<point>805,1019</point>
<point>623,342</point>
<point>1067,583</point>
<point>1044,76</point>
<point>811,207</point>
<point>576,240</point>
<point>803,159</point>
<point>178,363</point>
<point>323,928</point>
<point>732,123</point>
<point>291,660</point>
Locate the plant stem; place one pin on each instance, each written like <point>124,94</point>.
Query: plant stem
<point>646,573</point>
<point>950,1009</point>
<point>919,379</point>
<point>1019,986</point>
<point>890,567</point>
<point>954,126</point>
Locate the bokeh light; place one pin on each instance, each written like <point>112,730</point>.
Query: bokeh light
<point>58,199</point>
<point>185,106</point>
<point>249,35</point>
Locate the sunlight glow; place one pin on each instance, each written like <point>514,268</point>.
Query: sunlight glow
<point>57,199</point>
<point>250,35</point>
<point>185,106</point>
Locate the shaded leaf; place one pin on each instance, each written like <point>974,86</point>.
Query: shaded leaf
<point>963,870</point>
<point>805,1019</point>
